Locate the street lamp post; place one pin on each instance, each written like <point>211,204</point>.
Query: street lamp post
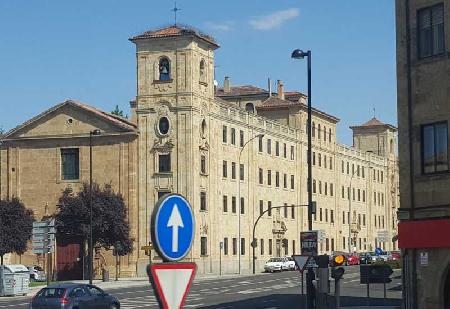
<point>254,242</point>
<point>299,54</point>
<point>239,198</point>
<point>350,214</point>
<point>95,132</point>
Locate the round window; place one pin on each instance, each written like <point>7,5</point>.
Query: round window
<point>163,125</point>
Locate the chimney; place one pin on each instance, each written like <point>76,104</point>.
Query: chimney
<point>269,84</point>
<point>280,89</point>
<point>226,85</point>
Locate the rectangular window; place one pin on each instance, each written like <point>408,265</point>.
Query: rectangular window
<point>242,246</point>
<point>381,177</point>
<point>343,242</point>
<point>342,167</point>
<point>325,161</point>
<point>314,186</point>
<point>332,216</point>
<point>241,172</point>
<point>261,207</point>
<point>164,163</point>
<point>348,192</point>
<point>430,31</point>
<point>285,208</point>
<point>326,188</point>
<point>277,179</point>
<point>357,170</point>
<point>284,150</point>
<point>331,189</point>
<point>233,136</point>
<point>320,187</point>
<point>203,164</point>
<point>260,144</point>
<point>277,148</point>
<point>434,148</point>
<point>331,163</point>
<point>241,138</point>
<point>320,160</point>
<point>233,204</point>
<point>269,177</point>
<point>332,244</point>
<point>292,212</point>
<point>270,246</point>
<point>375,217</point>
<point>242,206</point>
<point>342,192</point>
<point>225,203</point>
<point>343,217</point>
<point>261,245</point>
<point>261,177</point>
<point>292,153</point>
<point>225,246</point>
<point>326,215</point>
<point>269,146</point>
<point>292,182</point>
<point>327,244</point>
<point>364,196</point>
<point>314,158</point>
<point>224,169</point>
<point>233,170</point>
<point>320,214</point>
<point>348,168</point>
<point>285,181</point>
<point>162,193</point>
<point>362,172</point>
<point>353,191</point>
<point>224,134</point>
<point>203,201</point>
<point>364,219</point>
<point>70,164</point>
<point>293,246</point>
<point>286,247</point>
<point>269,207</point>
<point>203,246</point>
<point>359,195</point>
<point>234,246</point>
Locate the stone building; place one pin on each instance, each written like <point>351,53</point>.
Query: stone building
<point>423,79</point>
<point>234,152</point>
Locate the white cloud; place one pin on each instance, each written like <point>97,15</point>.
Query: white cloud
<point>274,20</point>
<point>224,26</point>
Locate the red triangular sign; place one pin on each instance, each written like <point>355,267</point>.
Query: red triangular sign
<point>171,282</point>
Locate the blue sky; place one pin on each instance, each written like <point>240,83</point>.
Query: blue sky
<point>53,50</point>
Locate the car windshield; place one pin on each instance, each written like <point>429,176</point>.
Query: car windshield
<point>51,292</point>
<point>275,260</point>
<point>38,268</point>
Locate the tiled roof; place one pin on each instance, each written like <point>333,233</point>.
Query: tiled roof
<point>173,31</point>
<point>241,90</point>
<point>274,102</point>
<point>372,122</point>
<point>117,120</point>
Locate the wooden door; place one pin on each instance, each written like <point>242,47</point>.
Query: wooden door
<point>69,258</point>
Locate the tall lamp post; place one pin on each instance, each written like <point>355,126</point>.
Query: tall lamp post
<point>350,214</point>
<point>299,54</point>
<point>261,135</point>
<point>92,133</point>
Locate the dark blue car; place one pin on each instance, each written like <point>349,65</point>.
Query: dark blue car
<point>73,296</point>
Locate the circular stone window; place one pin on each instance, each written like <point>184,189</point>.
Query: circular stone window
<point>163,125</point>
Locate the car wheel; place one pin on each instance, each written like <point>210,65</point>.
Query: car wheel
<point>114,306</point>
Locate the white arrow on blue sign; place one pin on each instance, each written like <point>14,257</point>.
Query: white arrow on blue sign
<point>172,227</point>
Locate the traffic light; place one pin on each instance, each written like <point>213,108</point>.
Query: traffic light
<point>337,273</point>
<point>337,260</point>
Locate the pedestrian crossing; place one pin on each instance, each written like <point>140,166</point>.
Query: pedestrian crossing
<point>149,301</point>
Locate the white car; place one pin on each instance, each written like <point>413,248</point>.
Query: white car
<point>37,273</point>
<point>290,263</point>
<point>276,264</point>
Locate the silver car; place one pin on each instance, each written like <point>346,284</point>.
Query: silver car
<point>37,273</point>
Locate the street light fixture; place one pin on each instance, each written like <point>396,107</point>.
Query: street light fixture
<point>299,54</point>
<point>95,132</point>
<point>261,135</point>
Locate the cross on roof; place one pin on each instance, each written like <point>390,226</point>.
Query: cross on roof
<point>175,10</point>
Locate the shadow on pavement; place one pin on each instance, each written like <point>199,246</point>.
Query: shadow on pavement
<point>299,301</point>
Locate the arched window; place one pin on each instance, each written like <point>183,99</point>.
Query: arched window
<point>202,71</point>
<point>164,69</point>
<point>318,131</point>
<point>313,129</point>
<point>249,107</point>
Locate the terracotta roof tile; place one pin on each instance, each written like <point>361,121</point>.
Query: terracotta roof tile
<point>241,90</point>
<point>174,31</point>
<point>372,122</point>
<point>277,102</point>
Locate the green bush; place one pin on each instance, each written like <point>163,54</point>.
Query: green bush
<point>393,264</point>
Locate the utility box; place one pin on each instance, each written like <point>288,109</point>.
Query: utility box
<point>14,280</point>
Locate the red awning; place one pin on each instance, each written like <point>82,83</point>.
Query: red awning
<point>424,234</point>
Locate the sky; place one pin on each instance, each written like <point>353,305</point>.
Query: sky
<point>53,50</point>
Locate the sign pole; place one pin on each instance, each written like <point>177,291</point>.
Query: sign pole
<point>48,269</point>
<point>302,284</point>
<point>220,261</point>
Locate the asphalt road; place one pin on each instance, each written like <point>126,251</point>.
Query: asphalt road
<point>279,290</point>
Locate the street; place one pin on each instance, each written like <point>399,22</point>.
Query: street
<point>278,290</point>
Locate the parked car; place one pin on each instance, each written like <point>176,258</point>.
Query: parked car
<point>291,263</point>
<point>72,295</point>
<point>365,258</point>
<point>385,256</point>
<point>352,260</point>
<point>37,273</point>
<point>396,256</point>
<point>276,264</point>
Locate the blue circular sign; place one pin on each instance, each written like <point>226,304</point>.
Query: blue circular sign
<point>172,227</point>
<point>378,251</point>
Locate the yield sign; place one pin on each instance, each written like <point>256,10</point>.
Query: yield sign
<point>301,261</point>
<point>171,282</point>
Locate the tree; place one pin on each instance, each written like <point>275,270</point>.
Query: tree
<point>119,112</point>
<point>110,227</point>
<point>16,225</point>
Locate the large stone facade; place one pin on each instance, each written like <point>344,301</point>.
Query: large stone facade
<point>423,78</point>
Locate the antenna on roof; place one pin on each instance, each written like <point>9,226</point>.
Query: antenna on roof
<point>374,112</point>
<point>175,10</point>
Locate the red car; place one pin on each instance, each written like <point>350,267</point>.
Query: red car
<point>396,256</point>
<point>352,260</point>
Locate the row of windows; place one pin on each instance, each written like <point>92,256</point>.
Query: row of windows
<point>269,209</point>
<point>164,70</point>
<point>233,170</point>
<point>356,170</point>
<point>234,246</point>
<point>320,132</point>
<point>378,176</point>
<point>277,179</point>
<point>323,215</point>
<point>233,204</point>
<point>232,136</point>
<point>378,198</point>
<point>380,221</point>
<point>361,219</point>
<point>326,163</point>
<point>362,242</point>
<point>357,194</point>
<point>325,188</point>
<point>277,148</point>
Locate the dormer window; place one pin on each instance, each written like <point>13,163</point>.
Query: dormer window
<point>249,107</point>
<point>202,71</point>
<point>164,69</point>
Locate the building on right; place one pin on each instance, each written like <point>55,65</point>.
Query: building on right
<point>423,83</point>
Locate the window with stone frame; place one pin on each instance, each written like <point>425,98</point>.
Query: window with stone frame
<point>203,246</point>
<point>233,204</point>
<point>233,136</point>
<point>285,181</point>
<point>277,179</point>
<point>225,203</point>
<point>270,246</point>
<point>202,71</point>
<point>260,144</point>
<point>430,31</point>
<point>241,138</point>
<point>261,245</point>
<point>241,172</point>
<point>292,182</point>
<point>242,246</point>
<point>285,210</point>
<point>203,164</point>
<point>261,176</point>
<point>225,246</point>
<point>277,148</point>
<point>234,246</point>
<point>164,164</point>
<point>164,69</point>
<point>292,153</point>
<point>242,206</point>
<point>269,207</point>
<point>434,144</point>
<point>224,134</point>
<point>224,169</point>
<point>284,150</point>
<point>70,164</point>
<point>261,207</point>
<point>233,170</point>
<point>269,146</point>
<point>269,177</point>
<point>203,206</point>
<point>292,211</point>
